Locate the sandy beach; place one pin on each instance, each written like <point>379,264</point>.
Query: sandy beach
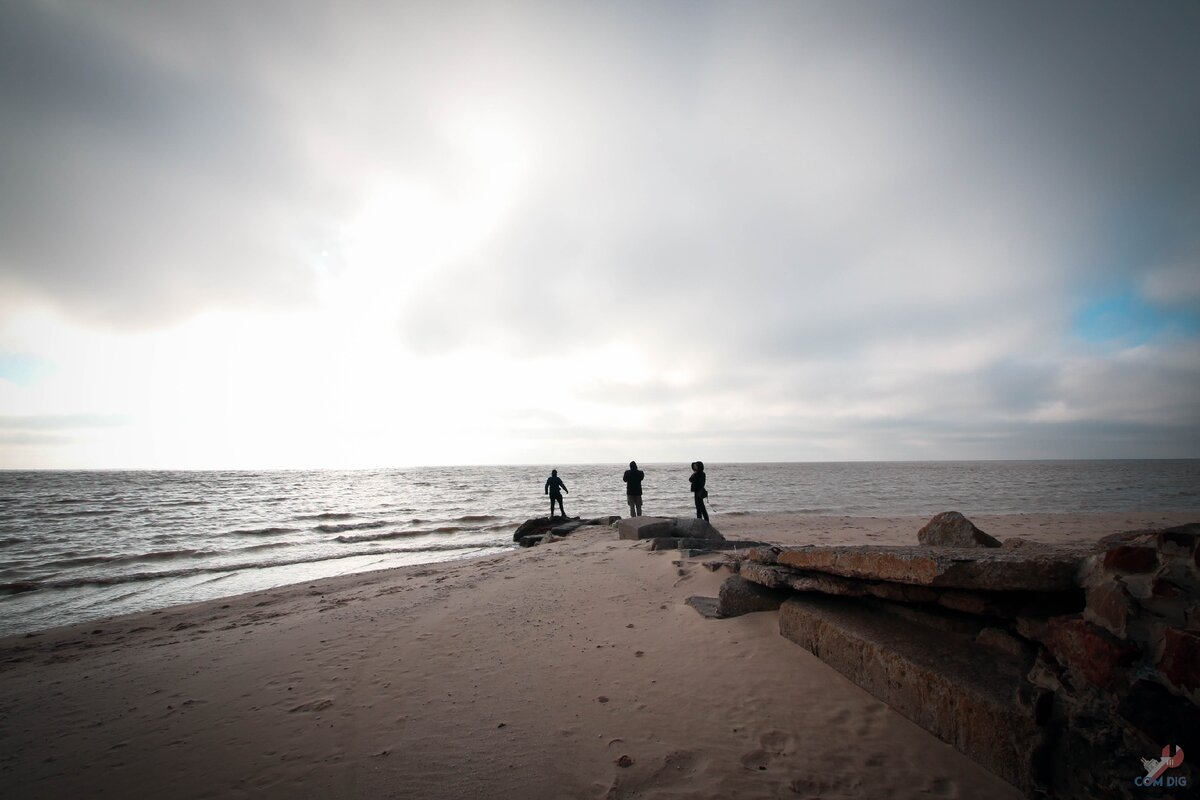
<point>569,670</point>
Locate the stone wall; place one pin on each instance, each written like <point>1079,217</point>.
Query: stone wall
<point>1102,647</point>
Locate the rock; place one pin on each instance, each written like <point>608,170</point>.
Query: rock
<point>936,679</point>
<point>952,529</point>
<point>1108,605</point>
<point>1088,650</point>
<point>1180,661</point>
<point>569,527</point>
<point>1185,539</point>
<point>539,525</point>
<point>739,596</point>
<point>686,528</point>
<point>707,545</point>
<point>1017,543</point>
<point>645,527</point>
<point>1130,558</point>
<point>765,555</point>
<point>1005,642</point>
<point>1159,714</point>
<point>705,606</point>
<point>991,569</point>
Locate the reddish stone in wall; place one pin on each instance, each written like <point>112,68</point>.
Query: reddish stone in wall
<point>1180,661</point>
<point>1108,604</point>
<point>1088,649</point>
<point>1130,558</point>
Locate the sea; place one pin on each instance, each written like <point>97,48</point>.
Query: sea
<point>77,546</point>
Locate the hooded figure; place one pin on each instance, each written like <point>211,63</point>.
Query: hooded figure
<point>633,489</point>
<point>697,480</point>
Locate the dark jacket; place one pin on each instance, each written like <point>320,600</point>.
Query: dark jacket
<point>554,486</point>
<point>633,477</point>
<point>697,480</point>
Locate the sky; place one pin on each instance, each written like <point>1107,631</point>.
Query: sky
<point>365,234</point>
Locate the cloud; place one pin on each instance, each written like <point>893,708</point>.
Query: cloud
<point>824,229</point>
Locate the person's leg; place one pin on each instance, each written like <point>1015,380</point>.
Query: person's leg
<point>699,506</point>
<point>552,506</point>
<point>638,501</point>
<point>629,499</point>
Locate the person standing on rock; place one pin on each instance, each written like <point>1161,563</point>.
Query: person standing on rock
<point>555,487</point>
<point>633,488</point>
<point>697,479</point>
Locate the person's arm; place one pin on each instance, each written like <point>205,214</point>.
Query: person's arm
<point>564,487</point>
<point>546,490</point>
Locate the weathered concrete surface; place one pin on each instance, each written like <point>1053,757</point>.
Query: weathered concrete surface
<point>739,596</point>
<point>1005,605</point>
<point>974,699</point>
<point>952,529</point>
<point>644,527</point>
<point>705,606</point>
<point>990,569</point>
<point>675,543</point>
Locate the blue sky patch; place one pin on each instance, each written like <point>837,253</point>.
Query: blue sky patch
<point>1126,318</point>
<point>24,370</point>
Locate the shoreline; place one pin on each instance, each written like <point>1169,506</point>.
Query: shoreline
<point>528,673</point>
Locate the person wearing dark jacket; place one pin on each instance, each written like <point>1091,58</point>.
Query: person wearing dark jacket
<point>555,487</point>
<point>697,480</point>
<point>633,488</point>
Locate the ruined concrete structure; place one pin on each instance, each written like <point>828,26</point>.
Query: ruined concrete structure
<point>1058,668</point>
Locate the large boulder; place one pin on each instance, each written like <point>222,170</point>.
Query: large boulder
<point>690,528</point>
<point>952,529</point>
<point>645,528</point>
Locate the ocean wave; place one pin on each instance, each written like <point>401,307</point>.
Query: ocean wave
<point>264,546</point>
<point>329,515</point>
<point>477,518</point>
<point>10,541</point>
<point>21,586</point>
<point>354,526</point>
<point>375,537</point>
<point>75,559</point>
<point>262,531</point>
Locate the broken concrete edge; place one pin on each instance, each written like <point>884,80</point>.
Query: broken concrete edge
<point>934,678</point>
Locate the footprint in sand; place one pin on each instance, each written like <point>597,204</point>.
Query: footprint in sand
<point>679,769</point>
<point>772,744</point>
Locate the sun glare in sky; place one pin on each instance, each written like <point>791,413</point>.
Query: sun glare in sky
<point>287,235</point>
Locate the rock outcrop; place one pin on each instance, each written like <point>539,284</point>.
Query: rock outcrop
<point>535,531</point>
<point>952,529</point>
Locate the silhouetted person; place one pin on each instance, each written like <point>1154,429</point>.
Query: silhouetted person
<point>697,480</point>
<point>633,488</point>
<point>555,487</point>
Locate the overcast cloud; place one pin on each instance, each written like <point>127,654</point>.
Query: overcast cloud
<point>306,234</point>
